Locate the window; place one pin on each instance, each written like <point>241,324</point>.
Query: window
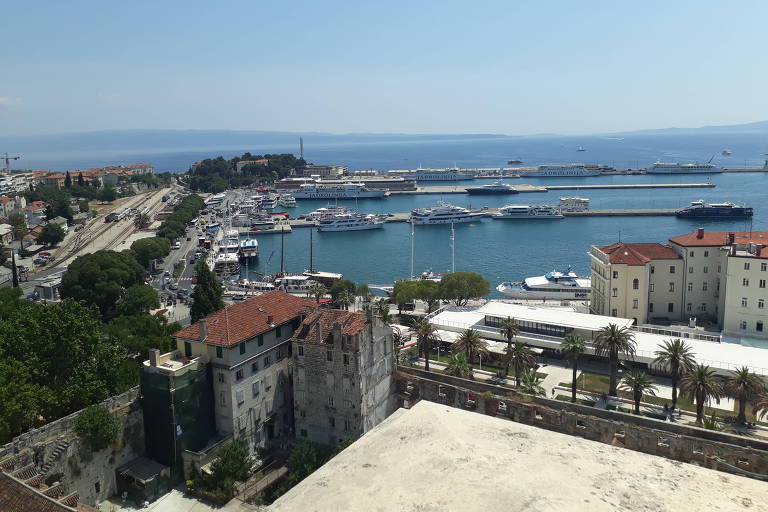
<point>330,382</point>
<point>239,374</point>
<point>650,287</point>
<point>255,388</point>
<point>718,268</point>
<point>615,274</point>
<point>330,401</point>
<point>634,303</point>
<point>670,307</point>
<point>332,422</point>
<point>222,399</point>
<point>278,332</point>
<point>745,282</point>
<point>267,361</point>
<point>614,312</point>
<point>761,284</point>
<point>746,266</point>
<point>301,397</point>
<point>763,267</point>
<point>346,359</point>
<point>635,284</point>
<point>691,254</point>
<point>689,307</point>
<point>690,287</point>
<point>706,254</point>
<point>219,352</point>
<point>221,376</point>
<point>301,375</point>
<point>187,349</point>
<point>347,404</point>
<point>240,398</point>
<point>279,354</point>
<point>329,355</point>
<point>706,270</point>
<point>255,366</point>
<point>346,425</point>
<point>743,302</point>
<point>671,287</point>
<point>301,350</point>
<point>267,382</point>
<point>650,307</point>
<point>242,348</point>
<point>260,340</point>
<point>653,269</point>
<point>303,433</point>
<point>743,325</point>
<point>703,306</point>
<point>690,270</point>
<point>704,286</point>
<point>615,292</point>
<point>760,304</point>
<point>671,269</point>
<point>759,326</point>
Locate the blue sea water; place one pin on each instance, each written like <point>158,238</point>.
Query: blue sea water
<point>499,250</point>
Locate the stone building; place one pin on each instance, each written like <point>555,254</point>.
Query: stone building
<point>343,365</point>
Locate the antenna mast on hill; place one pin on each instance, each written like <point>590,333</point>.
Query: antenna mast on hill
<point>301,147</point>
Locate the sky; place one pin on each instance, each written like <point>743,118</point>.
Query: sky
<point>511,67</point>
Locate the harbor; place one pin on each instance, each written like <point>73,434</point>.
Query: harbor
<point>527,188</point>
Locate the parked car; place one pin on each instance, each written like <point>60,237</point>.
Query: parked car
<point>173,286</point>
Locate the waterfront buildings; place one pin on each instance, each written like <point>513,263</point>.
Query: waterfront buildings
<point>342,368</point>
<point>324,171</point>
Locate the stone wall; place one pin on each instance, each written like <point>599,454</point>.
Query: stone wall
<point>718,450</point>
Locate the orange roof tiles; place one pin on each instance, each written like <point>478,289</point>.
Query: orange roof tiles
<point>703,238</point>
<point>243,321</point>
<point>638,254</point>
<point>351,324</point>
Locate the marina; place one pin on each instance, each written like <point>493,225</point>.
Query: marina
<point>523,187</point>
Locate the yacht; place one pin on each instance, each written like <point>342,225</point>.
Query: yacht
<point>514,162</point>
<point>552,285</point>
<point>287,201</point>
<point>327,211</point>
<point>493,189</point>
<point>574,204</point>
<point>677,168</point>
<point>580,149</point>
<point>295,283</point>
<point>349,222</point>
<point>249,248</point>
<point>700,209</point>
<point>524,211</point>
<point>421,174</point>
<point>269,202</point>
<point>340,191</point>
<point>262,222</point>
<point>444,213</point>
<point>550,171</point>
<point>727,152</point>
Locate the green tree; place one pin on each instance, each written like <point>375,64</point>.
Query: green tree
<point>403,292</point>
<point>67,180</point>
<point>147,249</point>
<point>80,179</point>
<point>107,194</point>
<point>428,291</point>
<point>676,357</point>
<point>138,299</point>
<point>19,225</point>
<point>317,291</point>
<point>611,342</point>
<point>100,277</point>
<point>521,357</point>
<point>14,270</point>
<point>572,348</point>
<point>470,342</point>
<point>744,386</point>
<point>461,287</point>
<point>137,334</point>
<point>509,329</point>
<point>83,206</point>
<point>701,384</point>
<point>142,220</point>
<point>639,384</point>
<point>345,299</point>
<point>51,234</point>
<point>24,402</point>
<point>426,337</point>
<point>340,286</point>
<point>530,383</point>
<point>233,463</point>
<point>759,404</point>
<point>458,366</point>
<point>98,427</point>
<point>381,308</point>
<point>364,292</point>
<point>207,295</point>
<point>10,300</point>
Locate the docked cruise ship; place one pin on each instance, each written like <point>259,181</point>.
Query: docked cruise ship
<point>341,191</point>
<point>702,210</point>
<point>444,213</point>
<point>493,189</point>
<point>552,285</point>
<point>524,211</point>
<point>551,171</point>
<point>430,174</point>
<point>677,168</point>
<point>349,222</point>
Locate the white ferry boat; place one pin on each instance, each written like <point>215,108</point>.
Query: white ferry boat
<point>552,285</point>
<point>444,213</point>
<point>524,211</point>
<point>287,201</point>
<point>430,174</point>
<point>677,168</point>
<point>249,248</point>
<point>340,191</point>
<point>550,171</point>
<point>349,222</point>
<point>269,202</point>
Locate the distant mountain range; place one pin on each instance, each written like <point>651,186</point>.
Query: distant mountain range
<point>148,140</point>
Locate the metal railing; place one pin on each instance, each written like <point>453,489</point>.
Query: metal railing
<point>714,338</point>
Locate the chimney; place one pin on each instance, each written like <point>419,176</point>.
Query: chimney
<point>336,332</point>
<point>319,331</point>
<point>731,238</point>
<point>154,357</point>
<point>202,325</point>
<point>700,233</point>
<point>269,319</point>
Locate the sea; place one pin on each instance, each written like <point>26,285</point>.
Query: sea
<point>500,250</point>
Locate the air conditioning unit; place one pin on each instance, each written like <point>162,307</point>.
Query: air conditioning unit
<point>502,406</point>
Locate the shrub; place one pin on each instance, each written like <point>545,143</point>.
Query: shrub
<point>98,427</point>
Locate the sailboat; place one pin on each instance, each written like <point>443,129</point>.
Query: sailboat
<point>580,148</point>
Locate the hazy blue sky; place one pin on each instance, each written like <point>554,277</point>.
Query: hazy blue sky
<point>388,66</point>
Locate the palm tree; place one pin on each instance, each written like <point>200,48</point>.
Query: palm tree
<point>521,357</point>
<point>318,291</point>
<point>743,386</point>
<point>676,356</point>
<point>364,291</point>
<point>760,405</point>
<point>639,383</point>
<point>458,366</point>
<point>530,383</point>
<point>426,336</point>
<point>509,329</point>
<point>471,344</point>
<point>572,348</point>
<point>344,299</point>
<point>611,341</point>
<point>701,384</point>
<point>381,308</point>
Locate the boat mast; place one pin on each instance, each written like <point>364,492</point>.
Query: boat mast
<point>282,247</point>
<point>412,248</point>
<point>310,249</point>
<point>453,249</point>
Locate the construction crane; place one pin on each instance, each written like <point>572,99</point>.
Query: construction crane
<point>8,161</point>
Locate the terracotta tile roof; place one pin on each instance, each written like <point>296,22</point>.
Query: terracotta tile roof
<point>351,324</point>
<point>249,318</point>
<point>262,161</point>
<point>638,254</point>
<point>703,238</point>
<point>17,497</point>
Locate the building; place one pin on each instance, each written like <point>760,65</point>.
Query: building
<point>324,171</point>
<point>248,346</point>
<point>8,205</point>
<point>343,384</point>
<point>639,281</point>
<point>242,163</point>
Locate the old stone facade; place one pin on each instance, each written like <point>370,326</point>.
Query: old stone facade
<point>342,368</point>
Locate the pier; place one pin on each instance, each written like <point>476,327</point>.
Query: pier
<point>526,188</point>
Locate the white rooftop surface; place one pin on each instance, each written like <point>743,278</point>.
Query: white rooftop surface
<point>436,458</point>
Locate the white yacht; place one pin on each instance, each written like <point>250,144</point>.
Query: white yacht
<point>287,201</point>
<point>430,174</point>
<point>340,191</point>
<point>261,222</point>
<point>552,285</point>
<point>249,248</point>
<point>551,171</point>
<point>294,283</point>
<point>444,213</point>
<point>677,168</point>
<point>574,204</point>
<point>269,202</point>
<point>349,222</point>
<point>524,211</point>
<point>327,211</point>
<point>226,261</point>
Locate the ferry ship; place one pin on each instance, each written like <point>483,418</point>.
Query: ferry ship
<point>444,213</point>
<point>524,211</point>
<point>677,168</point>
<point>349,222</point>
<point>700,209</point>
<point>552,285</point>
<point>493,189</point>
<point>550,171</point>
<point>341,191</point>
<point>430,174</point>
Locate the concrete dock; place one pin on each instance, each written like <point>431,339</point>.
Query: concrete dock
<point>526,188</point>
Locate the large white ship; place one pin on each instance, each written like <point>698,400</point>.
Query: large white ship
<point>551,171</point>
<point>430,174</point>
<point>341,191</point>
<point>552,285</point>
<point>349,222</point>
<point>678,168</point>
<point>524,211</point>
<point>444,213</point>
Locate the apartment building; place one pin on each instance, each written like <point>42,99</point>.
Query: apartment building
<point>249,346</point>
<point>643,282</point>
<point>324,171</point>
<point>343,364</point>
<point>8,205</point>
<point>745,297</point>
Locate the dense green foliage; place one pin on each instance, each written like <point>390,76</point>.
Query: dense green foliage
<point>460,287</point>
<point>148,249</point>
<point>233,464</point>
<point>175,225</point>
<point>207,295</point>
<point>98,427</point>
<point>137,300</point>
<point>218,174</point>
<point>57,199</point>
<point>139,333</point>
<point>99,278</point>
<point>51,234</point>
<point>107,194</point>
<point>340,286</point>
<point>304,459</point>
